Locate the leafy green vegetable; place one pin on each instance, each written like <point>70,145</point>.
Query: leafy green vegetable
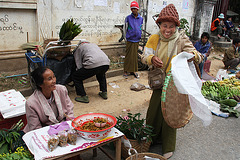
<point>184,25</point>
<point>134,127</point>
<point>226,108</point>
<point>8,136</point>
<point>69,31</point>
<point>229,102</point>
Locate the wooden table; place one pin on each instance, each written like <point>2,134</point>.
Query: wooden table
<point>117,140</point>
<point>37,142</point>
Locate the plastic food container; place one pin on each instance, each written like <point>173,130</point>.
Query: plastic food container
<point>94,135</point>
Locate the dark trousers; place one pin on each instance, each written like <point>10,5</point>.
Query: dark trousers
<point>163,132</point>
<point>81,74</point>
<point>232,64</point>
<point>219,31</point>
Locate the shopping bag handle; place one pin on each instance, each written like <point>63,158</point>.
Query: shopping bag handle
<point>129,152</point>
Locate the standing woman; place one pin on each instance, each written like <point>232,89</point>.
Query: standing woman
<point>169,39</point>
<point>48,103</point>
<point>132,31</point>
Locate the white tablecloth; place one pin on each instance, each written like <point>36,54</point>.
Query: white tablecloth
<point>36,141</point>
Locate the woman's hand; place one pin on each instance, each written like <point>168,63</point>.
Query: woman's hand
<point>207,54</point>
<point>157,62</point>
<point>190,60</point>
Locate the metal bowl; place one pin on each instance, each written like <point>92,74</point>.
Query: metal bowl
<point>94,135</point>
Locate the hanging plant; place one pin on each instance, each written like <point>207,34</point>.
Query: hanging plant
<point>184,25</point>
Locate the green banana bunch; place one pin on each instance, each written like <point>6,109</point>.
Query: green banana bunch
<point>215,91</point>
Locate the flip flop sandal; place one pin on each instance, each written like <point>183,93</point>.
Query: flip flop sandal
<point>136,75</point>
<point>125,76</point>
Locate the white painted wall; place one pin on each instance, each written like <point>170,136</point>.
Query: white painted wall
<point>16,26</point>
<point>184,11</point>
<point>97,19</point>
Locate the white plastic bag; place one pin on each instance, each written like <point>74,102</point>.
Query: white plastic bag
<point>187,82</point>
<point>215,109</point>
<point>126,142</point>
<point>137,86</point>
<point>221,74</point>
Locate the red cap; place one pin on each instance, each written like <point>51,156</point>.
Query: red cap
<point>134,4</point>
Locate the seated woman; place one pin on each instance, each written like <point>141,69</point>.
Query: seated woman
<point>47,105</point>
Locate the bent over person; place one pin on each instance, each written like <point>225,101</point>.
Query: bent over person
<point>48,103</point>
<point>90,61</point>
<point>157,52</point>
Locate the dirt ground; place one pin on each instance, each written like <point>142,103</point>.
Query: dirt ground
<point>124,98</point>
<point>119,98</point>
<point>216,61</point>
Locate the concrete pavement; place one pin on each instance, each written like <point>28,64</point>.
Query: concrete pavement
<point>219,141</point>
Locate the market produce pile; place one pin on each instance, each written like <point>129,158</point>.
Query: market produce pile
<point>225,92</point>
